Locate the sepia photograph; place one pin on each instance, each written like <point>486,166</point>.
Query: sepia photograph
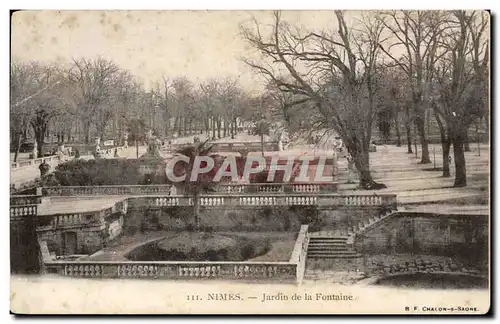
<point>181,162</point>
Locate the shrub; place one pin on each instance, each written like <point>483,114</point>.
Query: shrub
<point>96,172</point>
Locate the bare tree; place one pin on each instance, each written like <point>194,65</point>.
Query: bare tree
<point>48,104</point>
<point>21,90</point>
<point>462,75</point>
<point>93,82</point>
<point>336,71</point>
<point>162,94</point>
<point>416,34</point>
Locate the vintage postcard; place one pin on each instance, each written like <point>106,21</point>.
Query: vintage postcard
<point>250,162</point>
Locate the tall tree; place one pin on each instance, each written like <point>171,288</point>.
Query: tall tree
<point>22,89</point>
<point>93,82</point>
<point>462,82</point>
<point>336,71</point>
<point>416,34</point>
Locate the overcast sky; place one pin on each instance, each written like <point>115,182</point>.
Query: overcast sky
<point>151,44</point>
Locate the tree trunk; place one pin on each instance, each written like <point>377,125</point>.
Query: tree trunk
<point>213,127</point>
<point>39,131</point>
<point>408,137</point>
<point>460,171</point>
<point>186,127</point>
<point>234,128</point>
<point>446,153</point>
<point>137,148</point>
<point>176,121</point>
<point>362,163</point>
<point>86,130</point>
<point>207,125</point>
<point>398,133</point>
<point>218,127</point>
<point>445,144</point>
<point>423,140</point>
<point>466,140</point>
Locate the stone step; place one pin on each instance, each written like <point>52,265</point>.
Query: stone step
<point>334,256</point>
<point>327,243</point>
<point>323,249</point>
<point>327,248</point>
<point>328,239</point>
<point>338,253</point>
<point>345,251</point>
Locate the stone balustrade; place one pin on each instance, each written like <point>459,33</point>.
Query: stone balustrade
<point>143,190</point>
<point>242,200</point>
<point>22,200</point>
<point>23,206</point>
<point>22,211</point>
<point>174,270</point>
<point>67,220</point>
<point>299,252</point>
<point>230,146</point>
<point>277,187</point>
<point>33,162</point>
<point>137,190</point>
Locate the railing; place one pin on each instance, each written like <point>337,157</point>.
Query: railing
<point>23,206</point>
<point>228,146</point>
<point>22,211</point>
<point>241,200</point>
<point>22,200</point>
<point>34,162</point>
<point>174,269</point>
<point>299,252</point>
<point>138,190</point>
<point>51,222</point>
<point>277,187</point>
<point>291,271</point>
<point>106,190</point>
<point>55,158</point>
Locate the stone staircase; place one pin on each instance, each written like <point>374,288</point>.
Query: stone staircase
<point>366,224</point>
<point>330,247</point>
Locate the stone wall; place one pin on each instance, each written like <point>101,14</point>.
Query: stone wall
<point>24,249</point>
<point>464,236</point>
<point>256,218</point>
<point>88,239</point>
<point>278,218</point>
